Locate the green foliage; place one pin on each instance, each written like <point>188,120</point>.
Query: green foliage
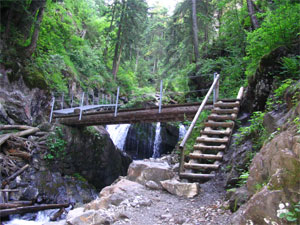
<point>279,27</point>
<point>56,145</point>
<point>292,214</point>
<point>196,131</point>
<point>243,178</point>
<point>79,177</point>
<point>291,66</point>
<point>256,131</point>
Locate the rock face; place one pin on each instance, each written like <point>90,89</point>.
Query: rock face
<point>91,153</point>
<point>273,179</point>
<point>169,138</point>
<point>143,171</point>
<point>175,187</point>
<point>140,140</point>
<point>20,104</point>
<point>261,84</point>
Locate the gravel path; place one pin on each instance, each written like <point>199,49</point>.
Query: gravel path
<point>207,208</point>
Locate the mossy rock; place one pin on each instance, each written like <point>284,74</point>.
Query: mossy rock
<point>33,78</point>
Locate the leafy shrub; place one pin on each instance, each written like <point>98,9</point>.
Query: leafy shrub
<point>56,145</point>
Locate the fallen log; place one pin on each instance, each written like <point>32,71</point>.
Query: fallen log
<point>13,176</point>
<point>20,154</point>
<point>4,137</point>
<point>31,209</point>
<point>15,127</point>
<point>57,214</point>
<point>10,205</point>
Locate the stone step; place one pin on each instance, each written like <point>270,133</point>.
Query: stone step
<point>227,104</point>
<point>205,156</point>
<point>209,131</point>
<point>219,124</point>
<point>199,166</point>
<point>224,111</point>
<point>199,176</point>
<point>207,147</point>
<point>221,117</point>
<point>212,140</point>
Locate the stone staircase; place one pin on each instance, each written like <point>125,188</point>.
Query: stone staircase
<point>211,145</point>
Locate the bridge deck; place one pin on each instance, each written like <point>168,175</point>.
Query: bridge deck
<point>178,112</point>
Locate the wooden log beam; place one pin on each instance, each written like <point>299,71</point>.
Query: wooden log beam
<point>31,209</point>
<point>30,131</point>
<point>147,115</point>
<point>10,205</point>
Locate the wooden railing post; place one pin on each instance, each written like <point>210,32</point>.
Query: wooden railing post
<point>160,96</point>
<point>81,105</point>
<point>191,127</point>
<point>52,108</point>
<point>216,89</point>
<point>117,100</point>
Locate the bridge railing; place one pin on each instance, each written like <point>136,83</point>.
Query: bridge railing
<point>215,89</point>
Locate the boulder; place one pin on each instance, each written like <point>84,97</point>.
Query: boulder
<point>175,187</point>
<point>79,216</point>
<point>143,171</point>
<point>237,197</point>
<point>115,194</point>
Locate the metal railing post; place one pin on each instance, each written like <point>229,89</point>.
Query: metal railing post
<point>160,96</point>
<point>62,100</point>
<point>52,108</point>
<point>72,99</point>
<point>117,99</point>
<point>81,105</point>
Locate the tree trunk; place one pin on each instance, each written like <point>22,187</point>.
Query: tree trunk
<point>119,44</point>
<point>136,61</point>
<point>32,46</point>
<point>195,31</point>
<point>109,31</point>
<point>251,12</point>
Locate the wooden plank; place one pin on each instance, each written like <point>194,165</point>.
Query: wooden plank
<point>219,124</point>
<point>198,166</point>
<point>212,140</point>
<point>224,111</point>
<point>227,104</point>
<point>205,156</point>
<point>196,176</point>
<point>207,147</point>
<point>221,117</point>
<point>216,132</point>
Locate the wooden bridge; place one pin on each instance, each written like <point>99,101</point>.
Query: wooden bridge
<point>176,112</point>
<point>209,147</point>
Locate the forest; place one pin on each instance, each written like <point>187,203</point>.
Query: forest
<point>90,45</point>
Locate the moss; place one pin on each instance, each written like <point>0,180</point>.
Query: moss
<point>33,78</point>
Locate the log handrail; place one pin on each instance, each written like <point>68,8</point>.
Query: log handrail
<point>191,127</point>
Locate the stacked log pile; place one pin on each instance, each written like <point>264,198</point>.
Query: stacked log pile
<point>17,145</point>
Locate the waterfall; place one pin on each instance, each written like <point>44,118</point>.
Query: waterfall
<point>182,131</point>
<point>157,141</point>
<point>118,134</point>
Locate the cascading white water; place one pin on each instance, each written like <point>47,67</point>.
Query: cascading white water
<point>118,134</point>
<point>157,141</point>
<point>182,131</point>
<point>42,217</point>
